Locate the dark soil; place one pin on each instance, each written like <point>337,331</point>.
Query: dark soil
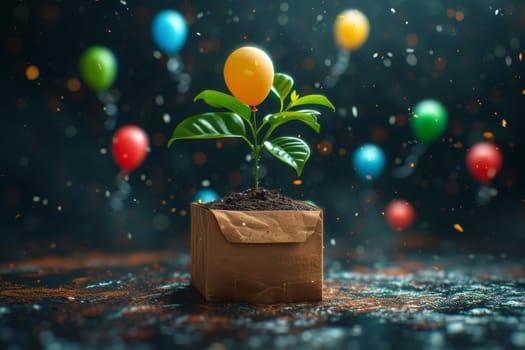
<point>260,199</point>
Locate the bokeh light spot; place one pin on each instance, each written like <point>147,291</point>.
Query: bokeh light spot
<point>324,148</point>
<point>73,85</point>
<point>32,72</point>
<point>199,158</point>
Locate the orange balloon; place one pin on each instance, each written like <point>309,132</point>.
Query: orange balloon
<point>351,29</point>
<point>248,73</point>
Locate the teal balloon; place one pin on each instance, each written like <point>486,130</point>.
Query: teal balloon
<point>98,68</point>
<point>169,31</point>
<point>205,195</point>
<point>429,120</point>
<point>369,162</point>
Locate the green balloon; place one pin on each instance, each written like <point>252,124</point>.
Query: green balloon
<point>429,120</point>
<point>98,67</point>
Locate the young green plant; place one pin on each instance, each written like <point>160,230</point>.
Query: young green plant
<point>240,117</point>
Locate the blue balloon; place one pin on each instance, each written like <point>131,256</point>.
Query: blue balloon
<point>169,30</point>
<point>205,195</point>
<point>368,162</point>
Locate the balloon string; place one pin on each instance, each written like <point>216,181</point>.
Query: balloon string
<point>116,200</point>
<point>338,69</point>
<point>411,161</point>
<point>175,67</point>
<point>485,194</point>
<point>109,99</point>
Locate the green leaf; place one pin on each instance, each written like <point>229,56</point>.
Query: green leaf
<point>309,111</point>
<point>277,119</point>
<point>210,126</point>
<point>219,99</point>
<point>282,84</point>
<point>290,150</point>
<point>293,97</point>
<point>311,100</point>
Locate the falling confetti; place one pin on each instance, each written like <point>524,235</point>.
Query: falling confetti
<point>458,228</point>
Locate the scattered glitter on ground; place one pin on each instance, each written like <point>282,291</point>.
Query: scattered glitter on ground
<point>145,300</point>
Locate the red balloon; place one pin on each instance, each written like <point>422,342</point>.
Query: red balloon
<point>130,147</point>
<point>399,214</point>
<point>484,160</point>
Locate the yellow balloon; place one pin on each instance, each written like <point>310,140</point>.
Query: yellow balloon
<point>351,29</point>
<point>248,73</point>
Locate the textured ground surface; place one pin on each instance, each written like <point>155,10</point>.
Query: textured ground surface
<point>143,300</point>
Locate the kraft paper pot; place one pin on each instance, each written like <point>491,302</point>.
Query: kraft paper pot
<point>257,256</point>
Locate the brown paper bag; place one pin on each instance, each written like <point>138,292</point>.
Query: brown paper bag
<point>257,256</point>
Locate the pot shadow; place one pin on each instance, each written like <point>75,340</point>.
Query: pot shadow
<point>185,297</point>
<point>187,300</point>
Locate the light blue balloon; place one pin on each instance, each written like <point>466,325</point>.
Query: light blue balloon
<point>169,30</point>
<point>205,195</point>
<point>369,162</point>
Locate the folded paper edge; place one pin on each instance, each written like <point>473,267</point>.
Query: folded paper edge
<point>266,226</point>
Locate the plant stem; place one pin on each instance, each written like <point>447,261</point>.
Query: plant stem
<point>257,153</point>
<point>256,148</point>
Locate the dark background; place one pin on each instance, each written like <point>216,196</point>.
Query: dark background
<point>52,137</point>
